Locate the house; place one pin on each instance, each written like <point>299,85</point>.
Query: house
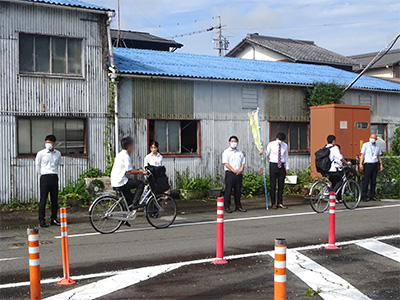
<point>191,104</point>
<point>388,67</point>
<point>142,40</point>
<point>53,79</point>
<point>260,47</point>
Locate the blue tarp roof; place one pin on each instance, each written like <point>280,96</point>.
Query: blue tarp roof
<point>163,63</point>
<point>72,3</point>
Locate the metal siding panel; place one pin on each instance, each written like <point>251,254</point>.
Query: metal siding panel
<point>160,99</point>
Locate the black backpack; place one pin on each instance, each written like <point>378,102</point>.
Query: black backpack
<point>322,160</point>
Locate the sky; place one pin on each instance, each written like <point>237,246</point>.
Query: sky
<point>346,27</point>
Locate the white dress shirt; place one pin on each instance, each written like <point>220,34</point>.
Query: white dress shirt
<point>273,150</point>
<point>235,158</point>
<point>371,152</point>
<point>47,162</point>
<point>336,158</point>
<point>122,164</point>
<point>153,160</point>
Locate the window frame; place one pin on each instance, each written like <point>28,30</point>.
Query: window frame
<point>50,73</point>
<point>30,118</point>
<point>198,154</point>
<point>292,152</point>
<point>386,133</point>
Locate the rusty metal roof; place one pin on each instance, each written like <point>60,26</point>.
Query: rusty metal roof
<point>173,64</point>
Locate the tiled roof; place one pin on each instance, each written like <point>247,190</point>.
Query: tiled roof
<point>143,37</point>
<point>72,3</point>
<point>295,50</point>
<point>389,59</point>
<point>162,63</point>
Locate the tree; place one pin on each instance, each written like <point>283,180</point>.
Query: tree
<point>396,141</point>
<point>324,93</point>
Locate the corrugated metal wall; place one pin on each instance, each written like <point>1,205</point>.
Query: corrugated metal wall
<point>285,103</point>
<point>22,95</point>
<point>162,99</point>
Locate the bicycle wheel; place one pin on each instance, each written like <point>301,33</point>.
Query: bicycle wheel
<point>100,214</point>
<point>319,196</point>
<point>351,194</point>
<point>161,211</point>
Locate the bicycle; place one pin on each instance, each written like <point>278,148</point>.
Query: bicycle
<point>108,212</point>
<point>350,189</point>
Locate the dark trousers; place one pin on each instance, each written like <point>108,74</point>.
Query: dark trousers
<point>370,173</point>
<point>232,181</point>
<point>336,180</point>
<point>133,184</point>
<point>275,174</point>
<point>48,184</point>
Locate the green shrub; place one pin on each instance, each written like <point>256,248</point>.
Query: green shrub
<point>324,93</point>
<point>388,181</point>
<point>253,184</point>
<point>75,193</point>
<point>92,173</point>
<point>185,182</point>
<point>396,141</point>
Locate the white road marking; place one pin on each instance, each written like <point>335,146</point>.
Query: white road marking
<point>384,249</point>
<point>315,276</point>
<point>11,258</point>
<point>233,220</point>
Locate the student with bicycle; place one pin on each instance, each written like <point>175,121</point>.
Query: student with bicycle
<point>335,172</point>
<point>154,158</point>
<point>123,166</point>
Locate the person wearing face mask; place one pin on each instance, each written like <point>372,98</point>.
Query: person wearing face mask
<point>370,161</point>
<point>277,153</point>
<point>47,163</point>
<point>154,158</point>
<point>234,161</point>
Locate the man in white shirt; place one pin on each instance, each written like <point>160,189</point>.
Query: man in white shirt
<point>119,179</point>
<point>234,161</point>
<point>277,153</point>
<point>370,161</point>
<point>335,172</point>
<point>47,162</point>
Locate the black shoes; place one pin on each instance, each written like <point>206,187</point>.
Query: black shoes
<point>228,210</point>
<point>43,224</point>
<point>135,206</point>
<point>126,223</point>
<point>365,199</point>
<point>55,222</point>
<point>375,199</point>
<point>241,209</point>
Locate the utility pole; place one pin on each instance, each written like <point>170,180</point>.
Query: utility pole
<point>221,42</point>
<point>119,26</point>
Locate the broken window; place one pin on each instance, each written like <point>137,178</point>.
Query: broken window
<point>176,137</point>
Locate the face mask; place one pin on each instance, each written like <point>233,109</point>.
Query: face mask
<point>372,141</point>
<point>48,146</point>
<point>153,150</point>
<point>233,145</point>
<point>279,142</point>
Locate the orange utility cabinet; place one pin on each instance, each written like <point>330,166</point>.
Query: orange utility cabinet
<point>349,123</point>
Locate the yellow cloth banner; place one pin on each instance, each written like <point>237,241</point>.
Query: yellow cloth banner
<point>255,128</point>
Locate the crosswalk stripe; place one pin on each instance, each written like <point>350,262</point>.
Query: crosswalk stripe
<point>381,248</point>
<point>317,277</point>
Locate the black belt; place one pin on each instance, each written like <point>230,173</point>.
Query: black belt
<point>374,163</point>
<point>49,175</point>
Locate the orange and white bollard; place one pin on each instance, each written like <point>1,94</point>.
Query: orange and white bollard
<point>332,208</point>
<point>64,245</point>
<point>280,270</point>
<point>219,260</point>
<point>34,263</point>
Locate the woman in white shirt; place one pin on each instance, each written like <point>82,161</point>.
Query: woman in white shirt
<point>154,158</point>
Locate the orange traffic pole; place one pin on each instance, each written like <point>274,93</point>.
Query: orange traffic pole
<point>219,260</point>
<point>64,245</point>
<point>280,270</point>
<point>34,263</point>
<point>332,209</point>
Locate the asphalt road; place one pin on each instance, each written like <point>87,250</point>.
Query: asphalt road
<point>193,237</point>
